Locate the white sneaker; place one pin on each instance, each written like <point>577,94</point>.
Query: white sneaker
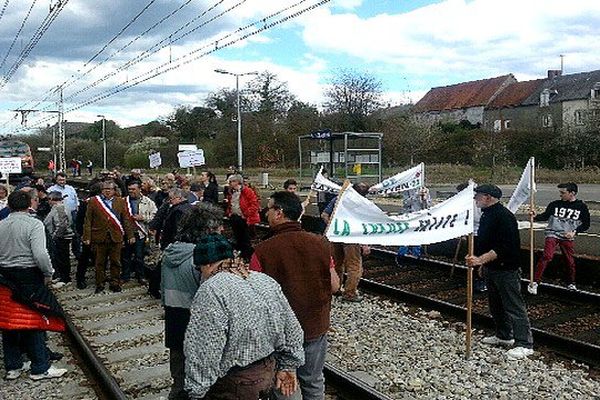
<point>494,340</point>
<point>52,372</point>
<point>572,287</point>
<point>519,353</point>
<point>58,285</point>
<point>532,288</point>
<point>15,373</point>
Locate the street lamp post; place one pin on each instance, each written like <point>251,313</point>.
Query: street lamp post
<point>103,140</point>
<point>239,114</point>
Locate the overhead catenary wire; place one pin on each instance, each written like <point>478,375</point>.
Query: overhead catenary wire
<point>196,54</point>
<point>35,38</point>
<point>115,37</point>
<point>74,78</point>
<point>107,76</point>
<point>18,34</point>
<point>147,54</point>
<point>132,41</point>
<point>3,8</point>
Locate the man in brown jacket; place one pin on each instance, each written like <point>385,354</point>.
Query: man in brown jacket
<point>301,263</point>
<point>106,227</point>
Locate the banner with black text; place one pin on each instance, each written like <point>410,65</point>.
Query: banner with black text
<point>413,178</point>
<point>356,219</point>
<point>322,184</point>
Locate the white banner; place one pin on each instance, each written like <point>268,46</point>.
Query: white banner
<point>410,179</point>
<point>10,165</point>
<point>322,184</point>
<point>191,158</point>
<point>356,219</point>
<point>155,160</point>
<point>524,187</point>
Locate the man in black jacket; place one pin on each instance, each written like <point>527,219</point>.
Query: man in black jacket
<point>498,249</point>
<point>566,217</point>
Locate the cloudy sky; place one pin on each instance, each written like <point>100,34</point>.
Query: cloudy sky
<point>153,55</point>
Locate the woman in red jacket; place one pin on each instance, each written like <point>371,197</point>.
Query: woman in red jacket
<point>242,210</point>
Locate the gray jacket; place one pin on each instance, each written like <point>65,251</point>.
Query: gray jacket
<point>59,223</point>
<point>180,279</point>
<point>23,243</point>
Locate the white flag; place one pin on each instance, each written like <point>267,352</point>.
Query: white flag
<point>406,180</point>
<point>356,219</point>
<point>322,184</point>
<point>525,187</point>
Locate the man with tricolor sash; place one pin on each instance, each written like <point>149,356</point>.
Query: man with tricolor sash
<point>141,211</point>
<point>107,225</point>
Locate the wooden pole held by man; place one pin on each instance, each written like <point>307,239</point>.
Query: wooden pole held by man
<point>469,297</point>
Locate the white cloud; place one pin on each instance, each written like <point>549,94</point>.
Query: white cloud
<point>484,37</point>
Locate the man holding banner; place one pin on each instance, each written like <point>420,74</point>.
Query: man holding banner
<point>498,248</point>
<point>348,256</point>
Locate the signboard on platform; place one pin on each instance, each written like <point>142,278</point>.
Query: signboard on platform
<point>191,158</point>
<point>187,147</point>
<point>10,165</point>
<point>155,160</point>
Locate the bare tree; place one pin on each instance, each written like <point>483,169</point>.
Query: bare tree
<point>353,95</point>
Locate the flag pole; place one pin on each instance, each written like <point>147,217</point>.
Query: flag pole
<point>531,208</point>
<point>469,298</point>
<point>337,201</point>
<point>306,202</point>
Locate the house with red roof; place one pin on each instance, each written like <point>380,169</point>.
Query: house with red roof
<point>504,113</point>
<point>460,102</point>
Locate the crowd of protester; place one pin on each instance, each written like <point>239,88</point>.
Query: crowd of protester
<point>241,320</point>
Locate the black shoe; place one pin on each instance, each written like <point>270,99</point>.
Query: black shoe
<point>115,289</point>
<point>142,281</point>
<point>81,285</point>
<point>99,289</point>
<point>154,294</point>
<point>55,356</point>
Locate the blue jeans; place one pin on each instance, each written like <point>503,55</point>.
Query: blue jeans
<point>414,250</point>
<point>34,344</point>
<point>133,259</point>
<point>310,375</point>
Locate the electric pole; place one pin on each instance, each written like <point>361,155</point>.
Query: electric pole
<point>61,134</point>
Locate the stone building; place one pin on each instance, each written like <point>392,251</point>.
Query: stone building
<point>460,102</point>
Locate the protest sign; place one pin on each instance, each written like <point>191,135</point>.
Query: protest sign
<point>356,219</point>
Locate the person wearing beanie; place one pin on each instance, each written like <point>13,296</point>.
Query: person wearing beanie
<point>498,247</point>
<point>241,329</point>
<point>179,283</point>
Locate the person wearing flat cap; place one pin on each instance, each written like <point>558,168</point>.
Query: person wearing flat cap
<point>59,225</point>
<point>498,247</point>
<point>243,335</point>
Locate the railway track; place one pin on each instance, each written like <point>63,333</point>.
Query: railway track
<point>566,322</point>
<point>120,339</point>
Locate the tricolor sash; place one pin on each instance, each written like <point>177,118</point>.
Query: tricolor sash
<point>137,223</point>
<point>106,210</point>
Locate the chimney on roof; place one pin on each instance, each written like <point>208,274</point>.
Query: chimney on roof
<point>554,73</point>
